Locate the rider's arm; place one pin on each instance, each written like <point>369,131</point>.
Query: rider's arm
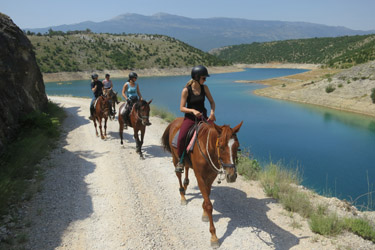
<point>139,92</point>
<point>111,84</point>
<point>212,103</point>
<point>183,107</point>
<point>124,89</point>
<point>93,89</point>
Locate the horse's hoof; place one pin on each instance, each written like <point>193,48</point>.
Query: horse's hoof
<point>205,218</point>
<point>183,202</point>
<point>215,244</point>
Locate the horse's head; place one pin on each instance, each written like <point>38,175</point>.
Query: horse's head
<point>104,104</point>
<point>227,146</point>
<point>143,111</point>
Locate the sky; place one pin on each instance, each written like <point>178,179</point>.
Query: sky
<point>353,14</point>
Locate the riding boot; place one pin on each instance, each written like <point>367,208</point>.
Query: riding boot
<point>179,168</point>
<point>91,113</point>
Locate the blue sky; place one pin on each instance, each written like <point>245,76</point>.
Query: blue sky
<point>354,14</point>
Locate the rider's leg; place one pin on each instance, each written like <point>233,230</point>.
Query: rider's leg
<point>92,110</point>
<point>186,125</point>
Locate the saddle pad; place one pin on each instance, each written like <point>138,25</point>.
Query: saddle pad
<point>190,147</point>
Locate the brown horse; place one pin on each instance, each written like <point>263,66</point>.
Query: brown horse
<point>138,120</point>
<point>102,109</point>
<point>215,153</point>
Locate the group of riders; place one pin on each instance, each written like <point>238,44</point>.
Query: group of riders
<point>130,92</point>
<point>191,103</point>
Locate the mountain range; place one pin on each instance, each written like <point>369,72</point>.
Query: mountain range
<point>208,33</point>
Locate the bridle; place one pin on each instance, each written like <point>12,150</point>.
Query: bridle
<point>140,116</point>
<point>221,169</point>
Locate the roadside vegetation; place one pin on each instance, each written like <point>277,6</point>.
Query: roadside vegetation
<point>338,52</point>
<point>19,169</point>
<point>74,51</point>
<point>282,184</point>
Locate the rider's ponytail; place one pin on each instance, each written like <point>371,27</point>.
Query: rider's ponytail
<point>190,82</point>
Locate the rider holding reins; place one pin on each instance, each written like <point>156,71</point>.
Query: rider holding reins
<point>192,104</point>
<point>131,93</point>
<point>97,89</point>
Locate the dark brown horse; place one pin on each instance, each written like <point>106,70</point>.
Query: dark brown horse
<point>102,109</point>
<point>215,153</point>
<point>139,119</point>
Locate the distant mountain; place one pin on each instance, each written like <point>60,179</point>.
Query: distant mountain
<point>209,33</point>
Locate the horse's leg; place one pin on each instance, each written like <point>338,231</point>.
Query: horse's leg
<point>105,127</point>
<point>136,137</point>
<point>186,180</point>
<point>181,189</point>
<point>205,187</point>
<point>121,129</point>
<point>101,130</point>
<point>143,130</point>
<point>96,130</point>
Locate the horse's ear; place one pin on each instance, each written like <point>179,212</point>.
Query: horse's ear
<point>149,102</point>
<point>218,128</point>
<point>237,128</point>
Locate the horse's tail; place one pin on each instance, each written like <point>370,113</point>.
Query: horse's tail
<point>165,139</point>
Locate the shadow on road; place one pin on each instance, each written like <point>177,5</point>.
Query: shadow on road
<point>247,212</point>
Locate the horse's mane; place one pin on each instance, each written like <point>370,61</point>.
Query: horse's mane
<point>139,104</point>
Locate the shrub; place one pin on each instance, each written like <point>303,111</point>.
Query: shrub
<point>248,167</point>
<point>330,88</point>
<point>276,180</point>
<point>360,227</point>
<point>326,224</point>
<point>373,95</point>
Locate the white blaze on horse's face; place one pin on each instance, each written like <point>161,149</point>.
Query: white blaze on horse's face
<point>230,145</point>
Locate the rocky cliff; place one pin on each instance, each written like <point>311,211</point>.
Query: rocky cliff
<point>21,83</point>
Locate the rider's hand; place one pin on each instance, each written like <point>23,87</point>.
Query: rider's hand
<point>212,117</point>
<point>197,113</point>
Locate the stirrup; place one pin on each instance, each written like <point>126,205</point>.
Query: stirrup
<point>179,168</point>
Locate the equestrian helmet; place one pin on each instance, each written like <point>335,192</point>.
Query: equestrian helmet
<point>133,75</point>
<point>199,71</point>
<point>94,76</point>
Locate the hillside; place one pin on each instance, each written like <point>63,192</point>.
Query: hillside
<point>348,89</point>
<point>208,33</point>
<point>85,51</point>
<point>339,52</point>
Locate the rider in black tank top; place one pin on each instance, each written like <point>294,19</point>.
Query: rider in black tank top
<point>196,102</point>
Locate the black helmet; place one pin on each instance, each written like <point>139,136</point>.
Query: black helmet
<point>133,75</point>
<point>93,76</point>
<point>199,71</point>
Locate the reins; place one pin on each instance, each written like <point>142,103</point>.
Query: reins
<point>219,171</point>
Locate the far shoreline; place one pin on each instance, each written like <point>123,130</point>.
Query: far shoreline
<point>154,72</point>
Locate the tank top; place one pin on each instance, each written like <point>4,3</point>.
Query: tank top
<point>132,91</point>
<point>196,102</point>
<point>107,84</point>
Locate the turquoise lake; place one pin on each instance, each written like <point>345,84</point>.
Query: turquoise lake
<point>334,150</point>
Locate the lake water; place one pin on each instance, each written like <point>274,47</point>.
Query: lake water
<point>334,150</point>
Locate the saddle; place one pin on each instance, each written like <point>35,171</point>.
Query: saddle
<point>190,137</point>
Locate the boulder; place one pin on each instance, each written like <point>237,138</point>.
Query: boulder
<point>21,84</point>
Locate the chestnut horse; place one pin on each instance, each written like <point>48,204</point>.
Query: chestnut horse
<point>215,153</point>
<point>102,108</point>
<point>138,120</point>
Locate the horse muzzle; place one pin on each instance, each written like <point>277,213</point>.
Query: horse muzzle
<point>230,172</point>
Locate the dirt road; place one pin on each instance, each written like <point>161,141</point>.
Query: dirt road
<point>98,194</point>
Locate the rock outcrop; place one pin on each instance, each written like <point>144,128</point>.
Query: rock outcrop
<point>21,83</point>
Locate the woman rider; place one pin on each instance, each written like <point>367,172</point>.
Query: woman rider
<point>192,104</point>
<point>131,93</point>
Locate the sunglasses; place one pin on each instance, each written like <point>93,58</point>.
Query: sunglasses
<point>203,78</point>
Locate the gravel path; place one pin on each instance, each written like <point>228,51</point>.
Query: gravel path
<point>98,194</point>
